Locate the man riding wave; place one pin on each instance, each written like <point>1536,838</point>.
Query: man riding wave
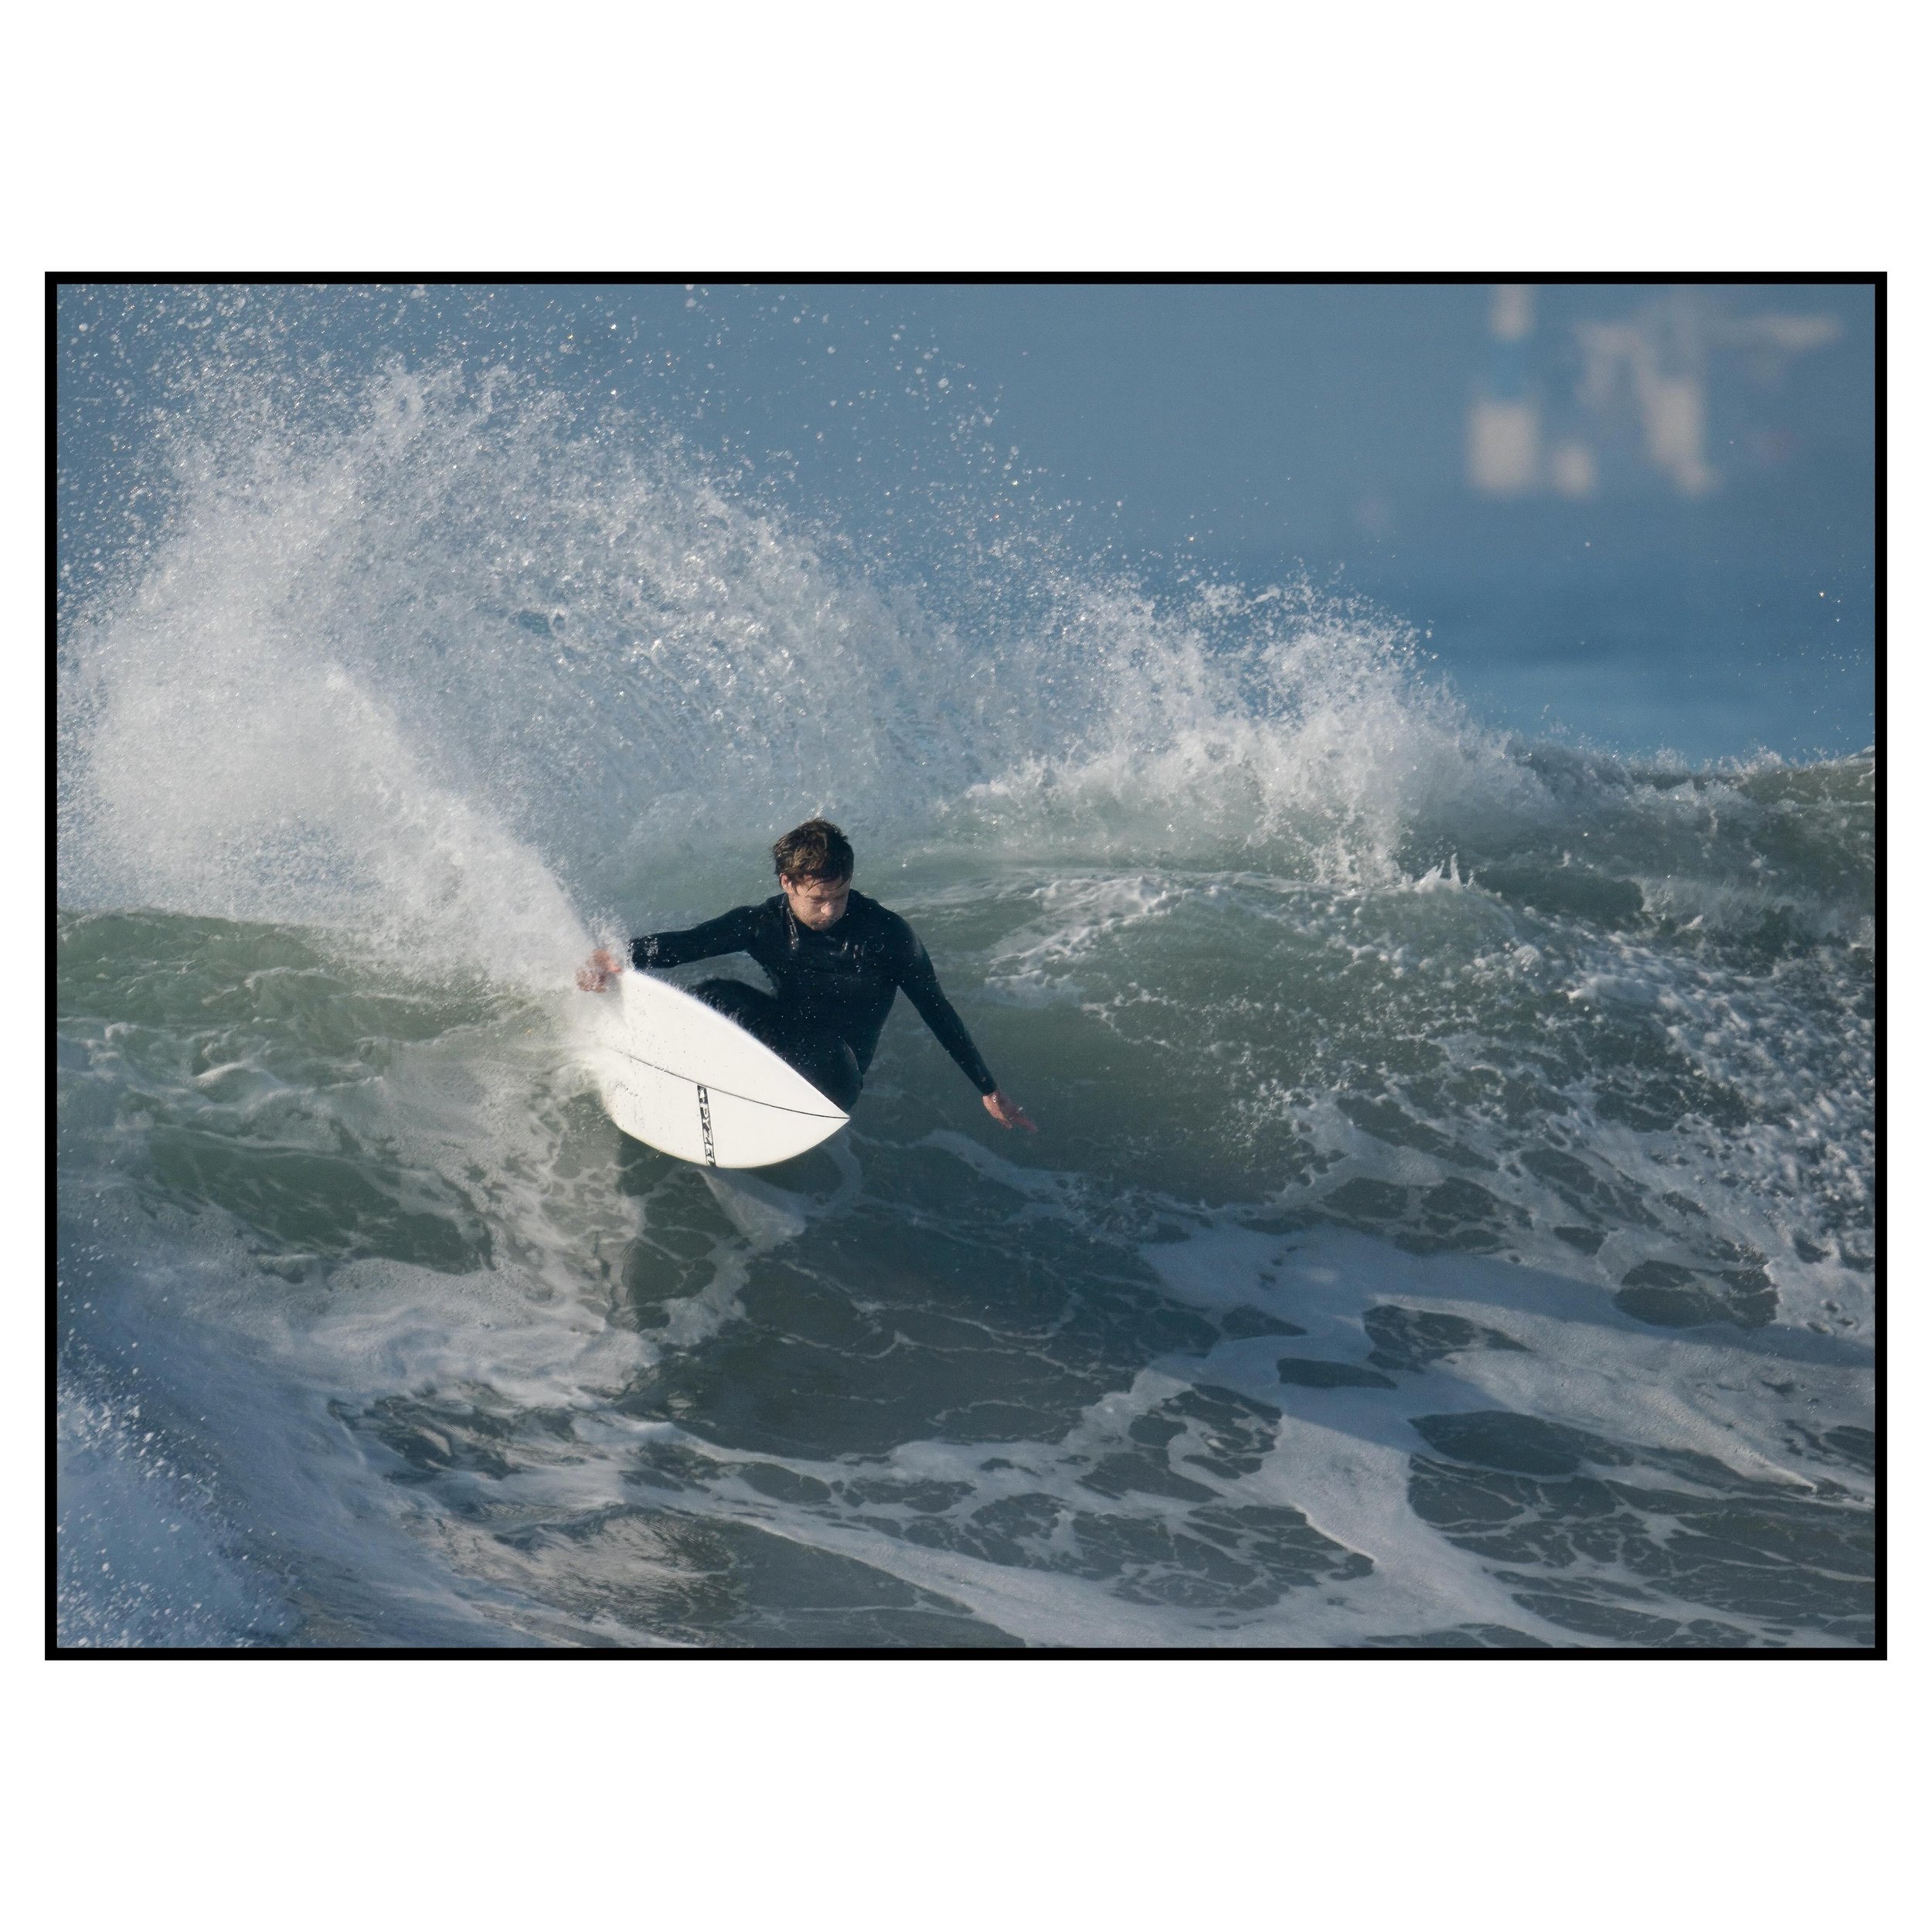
<point>835,960</point>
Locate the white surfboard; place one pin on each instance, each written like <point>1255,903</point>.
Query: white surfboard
<point>680,1077</point>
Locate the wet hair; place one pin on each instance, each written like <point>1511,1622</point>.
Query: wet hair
<point>817,849</point>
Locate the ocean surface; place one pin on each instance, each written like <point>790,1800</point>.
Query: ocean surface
<point>1452,1223</point>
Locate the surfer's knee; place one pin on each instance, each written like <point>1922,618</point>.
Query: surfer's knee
<point>837,1075</point>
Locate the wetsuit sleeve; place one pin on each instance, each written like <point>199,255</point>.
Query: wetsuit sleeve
<point>730,932</point>
<point>920,984</point>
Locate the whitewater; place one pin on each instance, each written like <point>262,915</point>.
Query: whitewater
<point>1452,1223</point>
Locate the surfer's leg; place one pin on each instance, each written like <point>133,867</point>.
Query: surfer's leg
<point>757,1012</point>
<point>842,1079</point>
<point>827,1063</point>
<point>816,1052</point>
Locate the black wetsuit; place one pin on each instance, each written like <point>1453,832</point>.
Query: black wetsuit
<point>833,988</point>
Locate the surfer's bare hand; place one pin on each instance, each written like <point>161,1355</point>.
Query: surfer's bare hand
<point>1009,1113</point>
<point>599,971</point>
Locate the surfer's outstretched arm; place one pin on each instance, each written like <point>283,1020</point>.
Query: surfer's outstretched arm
<point>920,984</point>
<point>730,932</point>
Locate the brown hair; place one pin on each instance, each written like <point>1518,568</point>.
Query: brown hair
<point>817,849</point>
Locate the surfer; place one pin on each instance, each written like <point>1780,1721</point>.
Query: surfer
<point>834,957</point>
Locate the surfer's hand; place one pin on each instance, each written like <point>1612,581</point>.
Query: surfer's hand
<point>1009,1113</point>
<point>598,970</point>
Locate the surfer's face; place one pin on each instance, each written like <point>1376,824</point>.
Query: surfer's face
<point>816,902</point>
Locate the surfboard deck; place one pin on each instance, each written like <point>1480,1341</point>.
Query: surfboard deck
<point>680,1077</point>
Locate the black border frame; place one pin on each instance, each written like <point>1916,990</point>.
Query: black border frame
<point>54,280</point>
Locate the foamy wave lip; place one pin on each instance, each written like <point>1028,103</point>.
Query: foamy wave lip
<point>1273,721</point>
<point>436,672</point>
